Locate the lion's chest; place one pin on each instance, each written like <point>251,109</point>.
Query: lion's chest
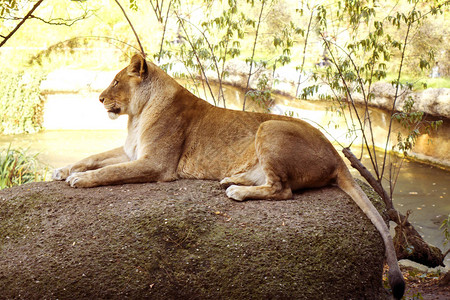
<point>131,144</point>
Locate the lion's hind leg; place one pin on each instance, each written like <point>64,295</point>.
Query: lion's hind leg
<point>254,176</point>
<point>256,183</point>
<point>274,191</point>
<point>262,181</point>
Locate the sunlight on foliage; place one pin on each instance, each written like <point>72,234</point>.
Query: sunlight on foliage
<point>21,104</point>
<point>445,227</point>
<point>17,167</point>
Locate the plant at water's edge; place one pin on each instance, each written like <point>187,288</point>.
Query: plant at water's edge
<point>262,95</point>
<point>355,64</point>
<point>445,227</point>
<point>21,105</point>
<point>251,60</point>
<point>17,167</point>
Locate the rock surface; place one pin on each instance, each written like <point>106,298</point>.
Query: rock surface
<point>184,240</point>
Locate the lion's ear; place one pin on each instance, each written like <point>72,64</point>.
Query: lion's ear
<point>138,66</point>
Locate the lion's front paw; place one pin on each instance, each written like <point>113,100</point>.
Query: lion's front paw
<point>80,180</point>
<point>60,174</point>
<point>236,192</point>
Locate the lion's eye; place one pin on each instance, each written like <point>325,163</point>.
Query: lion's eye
<point>115,83</point>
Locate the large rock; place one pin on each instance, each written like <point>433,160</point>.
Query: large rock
<point>184,240</point>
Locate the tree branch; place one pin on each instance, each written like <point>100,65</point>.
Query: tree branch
<point>397,88</point>
<point>407,241</point>
<point>253,52</point>
<point>181,21</point>
<point>164,31</point>
<point>304,52</point>
<point>60,21</point>
<point>375,184</point>
<point>132,28</point>
<point>5,39</point>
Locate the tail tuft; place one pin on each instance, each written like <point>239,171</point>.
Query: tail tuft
<point>397,284</point>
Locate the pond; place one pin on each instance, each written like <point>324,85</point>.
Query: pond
<point>421,188</point>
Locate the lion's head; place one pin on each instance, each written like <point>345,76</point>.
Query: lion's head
<point>117,96</point>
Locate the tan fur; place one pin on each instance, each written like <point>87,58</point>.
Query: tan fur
<point>173,134</point>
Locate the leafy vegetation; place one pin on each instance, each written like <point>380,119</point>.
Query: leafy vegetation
<point>17,167</point>
<point>21,105</point>
<point>445,227</point>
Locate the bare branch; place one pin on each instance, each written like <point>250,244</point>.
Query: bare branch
<point>447,252</point>
<point>60,21</point>
<point>397,88</point>
<point>196,56</point>
<point>375,184</point>
<point>214,59</point>
<point>253,53</point>
<point>112,39</point>
<point>132,28</point>
<point>5,39</point>
<point>164,30</point>
<point>304,52</point>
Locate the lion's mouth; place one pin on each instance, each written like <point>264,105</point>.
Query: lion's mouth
<point>114,110</point>
<point>113,113</point>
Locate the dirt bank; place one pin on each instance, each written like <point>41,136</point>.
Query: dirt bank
<point>184,240</point>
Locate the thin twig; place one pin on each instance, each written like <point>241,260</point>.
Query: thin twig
<point>132,28</point>
<point>304,52</point>
<point>60,21</point>
<point>157,9</point>
<point>396,91</point>
<point>214,59</point>
<point>253,53</point>
<point>366,112</point>
<point>198,58</point>
<point>349,94</point>
<point>164,32</point>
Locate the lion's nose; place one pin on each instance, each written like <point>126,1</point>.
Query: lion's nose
<point>102,99</point>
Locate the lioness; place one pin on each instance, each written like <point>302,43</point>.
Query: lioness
<point>173,134</point>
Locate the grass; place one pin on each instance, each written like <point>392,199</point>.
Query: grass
<point>17,167</point>
<point>419,81</point>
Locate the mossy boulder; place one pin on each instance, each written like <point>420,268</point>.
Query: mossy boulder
<point>184,240</point>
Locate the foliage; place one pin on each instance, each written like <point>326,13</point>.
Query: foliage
<point>414,123</point>
<point>21,103</point>
<point>227,30</point>
<point>17,167</point>
<point>212,43</point>
<point>6,6</point>
<point>360,56</point>
<point>445,227</point>
<point>262,95</point>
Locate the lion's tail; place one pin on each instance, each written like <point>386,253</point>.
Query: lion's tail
<point>346,182</point>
